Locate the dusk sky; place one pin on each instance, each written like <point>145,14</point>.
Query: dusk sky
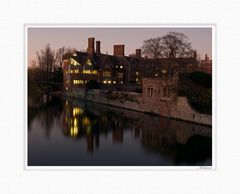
<point>38,38</point>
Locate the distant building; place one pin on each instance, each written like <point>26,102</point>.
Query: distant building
<point>206,65</point>
<point>117,69</point>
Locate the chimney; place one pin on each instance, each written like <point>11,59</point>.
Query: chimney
<point>118,50</point>
<point>98,43</point>
<point>206,58</point>
<point>90,49</point>
<point>138,53</point>
<point>195,55</point>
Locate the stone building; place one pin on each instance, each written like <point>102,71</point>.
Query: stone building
<point>117,69</point>
<point>206,65</point>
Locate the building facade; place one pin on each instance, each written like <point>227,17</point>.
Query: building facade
<point>117,69</point>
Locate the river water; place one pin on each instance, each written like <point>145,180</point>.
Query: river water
<point>71,132</point>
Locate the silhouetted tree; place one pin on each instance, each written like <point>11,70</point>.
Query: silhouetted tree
<point>46,59</point>
<point>176,45</point>
<point>153,48</point>
<point>171,46</point>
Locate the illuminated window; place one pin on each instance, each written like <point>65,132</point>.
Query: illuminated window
<point>76,82</point>
<point>109,81</point>
<point>137,80</point>
<point>66,88</point>
<point>121,66</point>
<point>114,82</point>
<point>104,81</point>
<point>74,62</point>
<point>76,70</point>
<point>88,71</point>
<point>137,73</point>
<point>89,62</point>
<point>71,71</point>
<point>155,74</point>
<point>121,82</point>
<point>106,74</point>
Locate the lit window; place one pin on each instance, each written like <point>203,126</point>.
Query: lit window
<point>121,82</point>
<point>66,88</point>
<point>75,82</point>
<point>137,80</point>
<point>71,71</point>
<point>76,71</point>
<point>155,74</point>
<point>88,71</point>
<point>114,82</point>
<point>89,62</point>
<point>121,66</point>
<point>74,62</point>
<point>109,81</point>
<point>104,81</point>
<point>137,73</point>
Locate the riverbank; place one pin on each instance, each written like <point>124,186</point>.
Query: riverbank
<point>177,108</point>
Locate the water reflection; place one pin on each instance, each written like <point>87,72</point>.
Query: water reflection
<point>105,135</point>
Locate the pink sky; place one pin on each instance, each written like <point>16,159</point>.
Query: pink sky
<point>38,38</point>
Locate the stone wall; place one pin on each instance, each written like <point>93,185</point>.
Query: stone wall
<point>182,110</point>
<point>177,108</point>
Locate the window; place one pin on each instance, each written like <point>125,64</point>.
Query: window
<point>88,71</point>
<point>150,92</point>
<point>89,62</point>
<point>137,73</point>
<point>120,75</point>
<point>121,66</point>
<point>165,92</point>
<point>106,74</point>
<point>74,62</point>
<point>77,82</point>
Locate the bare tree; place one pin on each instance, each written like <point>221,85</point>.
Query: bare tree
<point>46,58</point>
<point>171,46</point>
<point>176,45</point>
<point>153,48</point>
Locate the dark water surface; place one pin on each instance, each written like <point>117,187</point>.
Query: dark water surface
<point>71,132</point>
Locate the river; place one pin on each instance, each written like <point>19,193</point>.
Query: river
<point>70,132</point>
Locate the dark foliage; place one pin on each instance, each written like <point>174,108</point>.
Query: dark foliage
<point>197,88</point>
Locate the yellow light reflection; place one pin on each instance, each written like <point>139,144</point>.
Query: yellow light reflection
<point>86,121</point>
<point>77,111</point>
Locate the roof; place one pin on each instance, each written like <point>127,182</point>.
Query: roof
<point>98,60</point>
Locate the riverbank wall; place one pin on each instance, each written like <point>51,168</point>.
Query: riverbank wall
<point>175,108</point>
